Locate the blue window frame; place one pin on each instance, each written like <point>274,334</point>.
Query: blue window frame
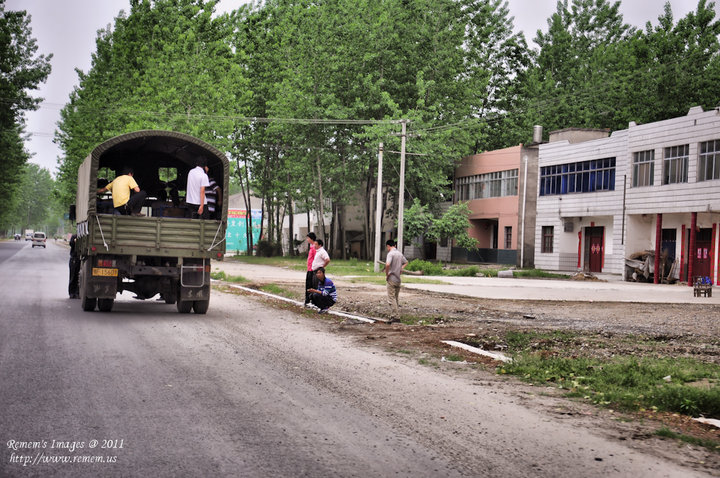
<point>580,177</point>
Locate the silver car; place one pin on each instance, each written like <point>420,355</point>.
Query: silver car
<point>39,239</point>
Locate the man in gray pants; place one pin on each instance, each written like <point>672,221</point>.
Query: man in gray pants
<point>394,265</point>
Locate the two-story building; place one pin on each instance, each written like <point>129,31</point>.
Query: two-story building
<point>500,189</point>
<point>650,187</point>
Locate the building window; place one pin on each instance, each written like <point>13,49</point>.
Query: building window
<point>709,165</point>
<point>643,168</point>
<point>581,177</point>
<point>547,239</point>
<point>675,164</point>
<point>508,237</point>
<point>489,185</point>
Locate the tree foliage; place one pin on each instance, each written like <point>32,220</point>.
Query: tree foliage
<point>301,92</point>
<point>168,65</point>
<point>21,70</point>
<point>35,205</point>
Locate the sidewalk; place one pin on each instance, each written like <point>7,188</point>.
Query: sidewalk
<point>613,290</point>
<point>568,290</point>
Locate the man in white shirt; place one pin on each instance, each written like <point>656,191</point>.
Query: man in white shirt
<point>394,265</point>
<point>197,181</point>
<point>322,259</point>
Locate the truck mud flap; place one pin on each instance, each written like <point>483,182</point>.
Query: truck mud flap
<point>97,286</point>
<point>194,282</point>
<point>195,293</point>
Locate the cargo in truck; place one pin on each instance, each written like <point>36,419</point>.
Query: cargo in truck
<point>162,250</point>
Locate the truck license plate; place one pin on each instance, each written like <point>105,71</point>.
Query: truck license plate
<point>98,271</point>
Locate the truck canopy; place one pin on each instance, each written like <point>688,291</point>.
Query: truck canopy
<point>161,161</point>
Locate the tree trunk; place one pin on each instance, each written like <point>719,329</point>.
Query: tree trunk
<point>321,219</point>
<point>369,229</point>
<point>291,222</point>
<point>248,208</point>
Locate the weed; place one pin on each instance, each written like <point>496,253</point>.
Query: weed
<point>712,445</point>
<point>471,271</point>
<point>220,275</point>
<point>275,289</point>
<point>539,273</point>
<point>427,268</point>
<point>626,382</point>
<point>454,358</point>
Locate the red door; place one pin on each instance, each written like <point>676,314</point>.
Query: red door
<point>594,252</point>
<point>701,254</point>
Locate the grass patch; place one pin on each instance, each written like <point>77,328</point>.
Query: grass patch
<point>275,289</point>
<point>625,382</point>
<point>220,275</point>
<point>712,445</point>
<point>428,268</point>
<point>406,280</point>
<point>454,358</point>
<point>539,274</point>
<point>471,271</point>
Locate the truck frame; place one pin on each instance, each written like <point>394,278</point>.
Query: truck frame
<point>164,252</point>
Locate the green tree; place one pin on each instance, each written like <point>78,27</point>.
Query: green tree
<point>677,65</point>
<point>35,207</point>
<point>573,70</point>
<point>22,71</point>
<point>166,65</point>
<point>454,225</point>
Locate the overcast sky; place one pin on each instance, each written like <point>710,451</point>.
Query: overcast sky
<point>68,28</point>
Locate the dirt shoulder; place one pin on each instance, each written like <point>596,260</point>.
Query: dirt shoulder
<point>597,329</point>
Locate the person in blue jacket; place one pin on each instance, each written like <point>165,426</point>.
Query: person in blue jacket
<point>325,295</point>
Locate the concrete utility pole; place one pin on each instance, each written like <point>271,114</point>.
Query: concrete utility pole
<point>401,195</point>
<point>378,210</point>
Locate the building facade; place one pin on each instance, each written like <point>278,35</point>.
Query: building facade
<point>652,187</point>
<point>495,185</point>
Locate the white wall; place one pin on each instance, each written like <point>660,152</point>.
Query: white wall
<point>604,208</point>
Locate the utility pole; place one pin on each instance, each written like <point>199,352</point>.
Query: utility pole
<point>378,210</point>
<point>401,195</point>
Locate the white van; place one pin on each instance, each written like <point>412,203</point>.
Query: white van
<point>39,239</point>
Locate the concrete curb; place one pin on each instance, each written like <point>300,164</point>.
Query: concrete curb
<point>300,304</point>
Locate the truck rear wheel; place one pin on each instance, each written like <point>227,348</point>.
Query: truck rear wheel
<point>105,305</point>
<point>184,306</point>
<point>201,306</point>
<point>88,304</point>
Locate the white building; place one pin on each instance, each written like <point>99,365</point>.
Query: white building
<point>649,187</point>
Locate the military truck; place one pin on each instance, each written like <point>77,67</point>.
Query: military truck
<point>164,252</point>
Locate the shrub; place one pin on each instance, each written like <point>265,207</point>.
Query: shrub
<point>268,249</point>
<point>471,271</point>
<point>427,268</point>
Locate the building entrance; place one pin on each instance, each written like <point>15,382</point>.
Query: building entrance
<point>594,248</point>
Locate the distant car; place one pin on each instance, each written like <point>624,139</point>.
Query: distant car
<point>29,236</point>
<point>17,237</point>
<point>39,239</point>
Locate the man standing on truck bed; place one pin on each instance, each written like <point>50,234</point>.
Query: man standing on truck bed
<point>197,181</point>
<point>123,202</point>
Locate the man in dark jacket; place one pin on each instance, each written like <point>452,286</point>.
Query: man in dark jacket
<point>73,287</point>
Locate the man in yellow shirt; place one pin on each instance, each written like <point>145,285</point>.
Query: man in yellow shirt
<point>123,202</point>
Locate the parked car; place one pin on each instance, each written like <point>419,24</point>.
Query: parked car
<point>39,239</point>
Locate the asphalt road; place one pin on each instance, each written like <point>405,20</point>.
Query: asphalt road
<point>249,391</point>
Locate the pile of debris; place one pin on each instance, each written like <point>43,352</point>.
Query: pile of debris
<point>640,267</point>
<point>586,276</point>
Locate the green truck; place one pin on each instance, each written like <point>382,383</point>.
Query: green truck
<point>164,251</point>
